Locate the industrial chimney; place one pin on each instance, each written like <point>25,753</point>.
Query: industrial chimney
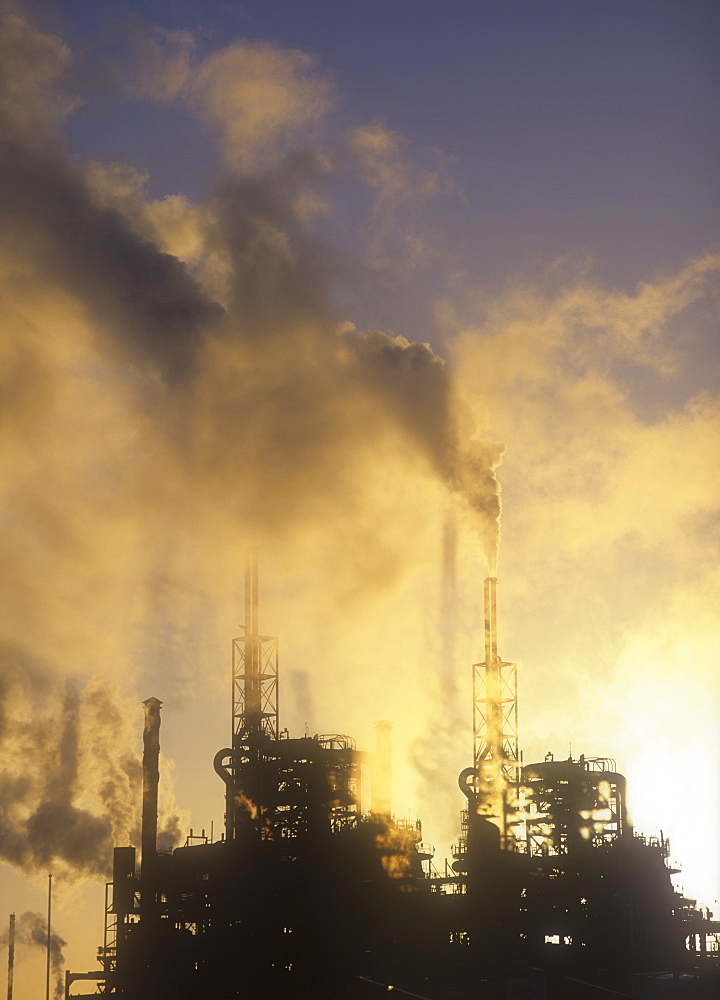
<point>151,779</point>
<point>11,957</point>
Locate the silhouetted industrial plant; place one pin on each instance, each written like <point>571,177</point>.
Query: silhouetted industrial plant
<point>550,893</point>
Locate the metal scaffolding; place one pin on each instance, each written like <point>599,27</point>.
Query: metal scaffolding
<point>255,670</point>
<point>495,724</point>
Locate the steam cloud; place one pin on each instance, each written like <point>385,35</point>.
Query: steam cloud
<point>177,381</point>
<point>173,371</point>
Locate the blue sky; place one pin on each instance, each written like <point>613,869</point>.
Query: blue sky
<point>582,130</point>
<point>573,125</point>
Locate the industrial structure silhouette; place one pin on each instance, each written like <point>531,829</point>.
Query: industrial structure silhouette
<point>550,894</point>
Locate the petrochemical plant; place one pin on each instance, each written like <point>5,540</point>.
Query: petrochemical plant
<point>308,893</point>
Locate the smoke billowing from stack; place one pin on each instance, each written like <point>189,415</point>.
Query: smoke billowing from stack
<point>151,399</point>
<point>30,931</point>
<point>301,386</point>
<point>69,777</point>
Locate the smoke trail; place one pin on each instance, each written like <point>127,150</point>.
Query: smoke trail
<point>434,755</point>
<point>70,777</point>
<point>419,392</point>
<point>302,389</point>
<point>156,396</point>
<point>31,932</point>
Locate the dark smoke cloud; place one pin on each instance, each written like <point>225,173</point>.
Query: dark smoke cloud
<point>235,403</point>
<point>417,389</point>
<point>280,273</point>
<point>301,389</point>
<point>40,822</point>
<point>70,777</point>
<point>288,400</point>
<point>142,297</point>
<point>136,293</point>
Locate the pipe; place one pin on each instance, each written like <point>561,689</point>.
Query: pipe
<point>491,652</point>
<point>493,617</point>
<point>47,974</point>
<point>11,956</point>
<point>488,633</point>
<point>255,628</point>
<point>494,708</point>
<point>226,774</point>
<point>248,598</point>
<point>253,705</point>
<point>466,780</point>
<point>151,780</point>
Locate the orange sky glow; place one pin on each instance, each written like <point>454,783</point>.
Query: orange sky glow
<point>184,375</point>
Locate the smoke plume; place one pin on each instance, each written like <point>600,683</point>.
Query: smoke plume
<point>31,931</point>
<point>71,776</point>
<point>177,382</point>
<point>179,379</point>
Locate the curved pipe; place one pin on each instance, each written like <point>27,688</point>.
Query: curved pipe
<point>222,772</point>
<point>464,779</point>
<point>227,776</point>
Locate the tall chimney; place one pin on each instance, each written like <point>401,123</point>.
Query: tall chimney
<point>11,956</point>
<point>49,940</point>
<point>151,780</point>
<point>253,672</point>
<point>491,652</point>
<point>493,676</point>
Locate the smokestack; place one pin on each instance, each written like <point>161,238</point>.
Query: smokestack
<point>253,679</point>
<point>47,977</point>
<point>381,774</point>
<point>11,956</point>
<point>493,679</point>
<point>151,780</point>
<point>491,653</point>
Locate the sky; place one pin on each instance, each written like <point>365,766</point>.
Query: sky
<point>403,294</point>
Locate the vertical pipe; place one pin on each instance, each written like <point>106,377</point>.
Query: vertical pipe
<point>11,956</point>
<point>493,617</point>
<point>491,775</point>
<point>492,692</point>
<point>151,780</point>
<point>253,707</point>
<point>49,912</point>
<point>256,643</point>
<point>248,590</point>
<point>255,627</point>
<point>487,620</point>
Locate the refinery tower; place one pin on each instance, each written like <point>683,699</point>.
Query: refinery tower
<point>312,892</point>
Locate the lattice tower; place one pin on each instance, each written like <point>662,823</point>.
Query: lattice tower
<point>495,729</point>
<point>255,670</point>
